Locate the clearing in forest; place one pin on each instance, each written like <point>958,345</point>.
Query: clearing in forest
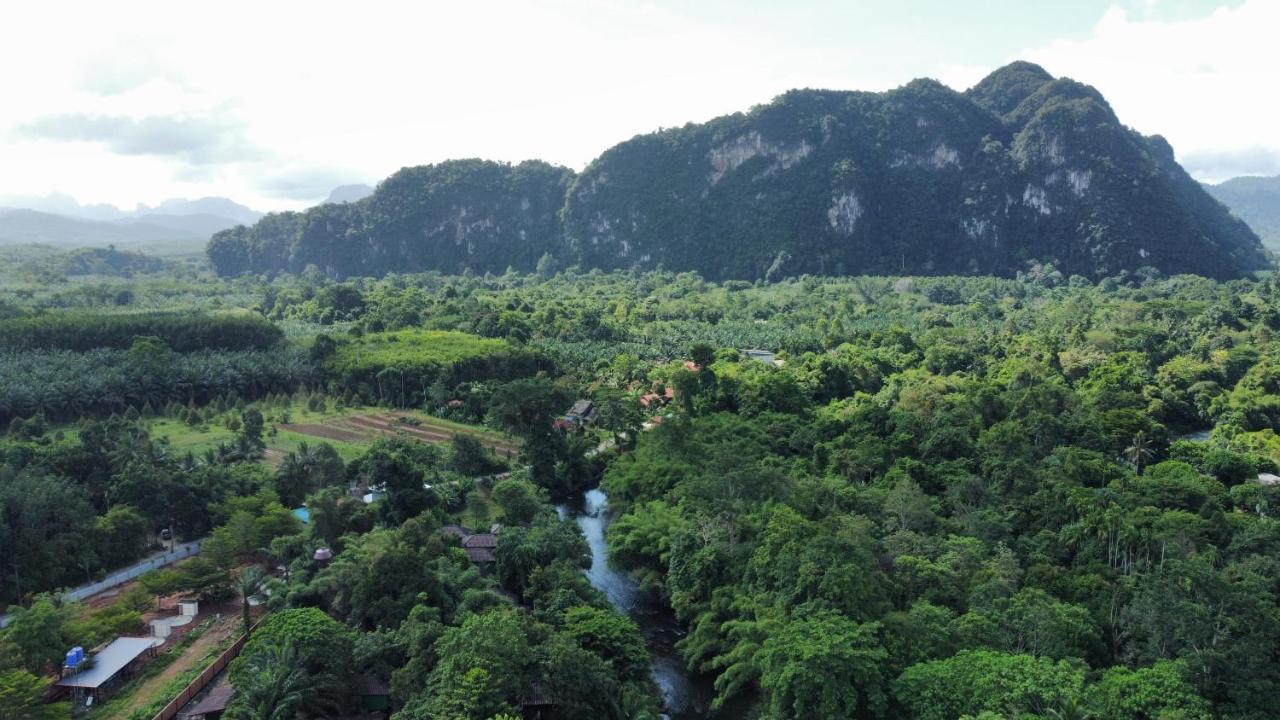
<point>350,431</point>
<point>365,427</point>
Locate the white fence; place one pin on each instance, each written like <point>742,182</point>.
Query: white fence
<point>120,577</point>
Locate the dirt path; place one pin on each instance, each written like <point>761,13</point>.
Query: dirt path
<point>273,457</point>
<point>426,430</point>
<point>194,655</point>
<point>326,432</point>
<point>388,428</point>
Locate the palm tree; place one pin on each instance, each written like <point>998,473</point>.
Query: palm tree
<point>299,471</point>
<point>249,583</point>
<point>576,468</point>
<point>276,685</point>
<point>1140,451</point>
<point>1069,709</point>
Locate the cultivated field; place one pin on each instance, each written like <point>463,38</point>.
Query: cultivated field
<point>362,428</point>
<point>350,431</point>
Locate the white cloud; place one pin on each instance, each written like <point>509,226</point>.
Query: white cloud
<point>1206,85</point>
<point>367,88</point>
<point>1217,165</point>
<point>351,92</point>
<point>200,140</point>
<point>303,182</point>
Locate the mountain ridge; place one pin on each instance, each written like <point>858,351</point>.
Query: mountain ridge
<point>1019,170</point>
<point>20,226</point>
<point>59,220</point>
<point>1256,200</point>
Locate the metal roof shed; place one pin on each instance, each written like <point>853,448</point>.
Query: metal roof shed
<point>109,662</point>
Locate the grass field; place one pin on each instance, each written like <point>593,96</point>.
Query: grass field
<point>407,349</point>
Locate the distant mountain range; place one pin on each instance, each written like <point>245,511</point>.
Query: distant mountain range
<point>59,220</point>
<point>20,227</point>
<point>1022,169</point>
<point>1257,201</point>
<point>208,206</point>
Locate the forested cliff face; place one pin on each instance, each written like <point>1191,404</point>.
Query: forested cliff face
<point>457,215</point>
<point>1021,168</point>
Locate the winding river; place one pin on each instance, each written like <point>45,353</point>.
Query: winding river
<point>684,695</point>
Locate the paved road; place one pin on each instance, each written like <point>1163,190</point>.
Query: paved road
<point>120,577</point>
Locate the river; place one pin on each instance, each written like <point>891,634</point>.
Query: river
<point>1201,435</point>
<point>684,695</point>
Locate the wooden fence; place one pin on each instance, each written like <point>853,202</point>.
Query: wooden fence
<point>202,680</point>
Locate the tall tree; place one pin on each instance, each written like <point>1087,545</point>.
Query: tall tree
<point>824,666</point>
<point>274,684</point>
<point>249,582</point>
<point>22,697</point>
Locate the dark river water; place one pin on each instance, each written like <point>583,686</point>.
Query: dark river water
<point>685,696</point>
<point>1197,435</point>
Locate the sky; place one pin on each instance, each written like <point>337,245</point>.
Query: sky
<point>275,103</point>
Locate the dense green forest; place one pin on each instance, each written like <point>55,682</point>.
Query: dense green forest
<point>921,179</point>
<point>949,497</point>
<point>1022,170</point>
<point>52,265</point>
<point>179,331</point>
<point>458,215</point>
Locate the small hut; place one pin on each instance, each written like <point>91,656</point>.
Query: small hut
<point>480,548</point>
<point>110,667</point>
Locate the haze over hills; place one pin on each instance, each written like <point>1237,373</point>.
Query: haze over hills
<point>207,206</point>
<point>65,205</point>
<point>1021,169</point>
<point>1256,200</point>
<point>58,220</point>
<point>20,227</point>
<point>349,193</point>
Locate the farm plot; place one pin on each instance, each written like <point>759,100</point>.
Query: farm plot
<point>368,426</point>
<point>349,430</point>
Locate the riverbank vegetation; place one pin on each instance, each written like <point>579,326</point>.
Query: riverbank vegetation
<point>1039,497</point>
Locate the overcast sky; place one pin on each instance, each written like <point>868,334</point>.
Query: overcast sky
<point>274,103</point>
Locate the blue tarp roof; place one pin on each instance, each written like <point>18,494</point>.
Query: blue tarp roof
<point>302,514</point>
